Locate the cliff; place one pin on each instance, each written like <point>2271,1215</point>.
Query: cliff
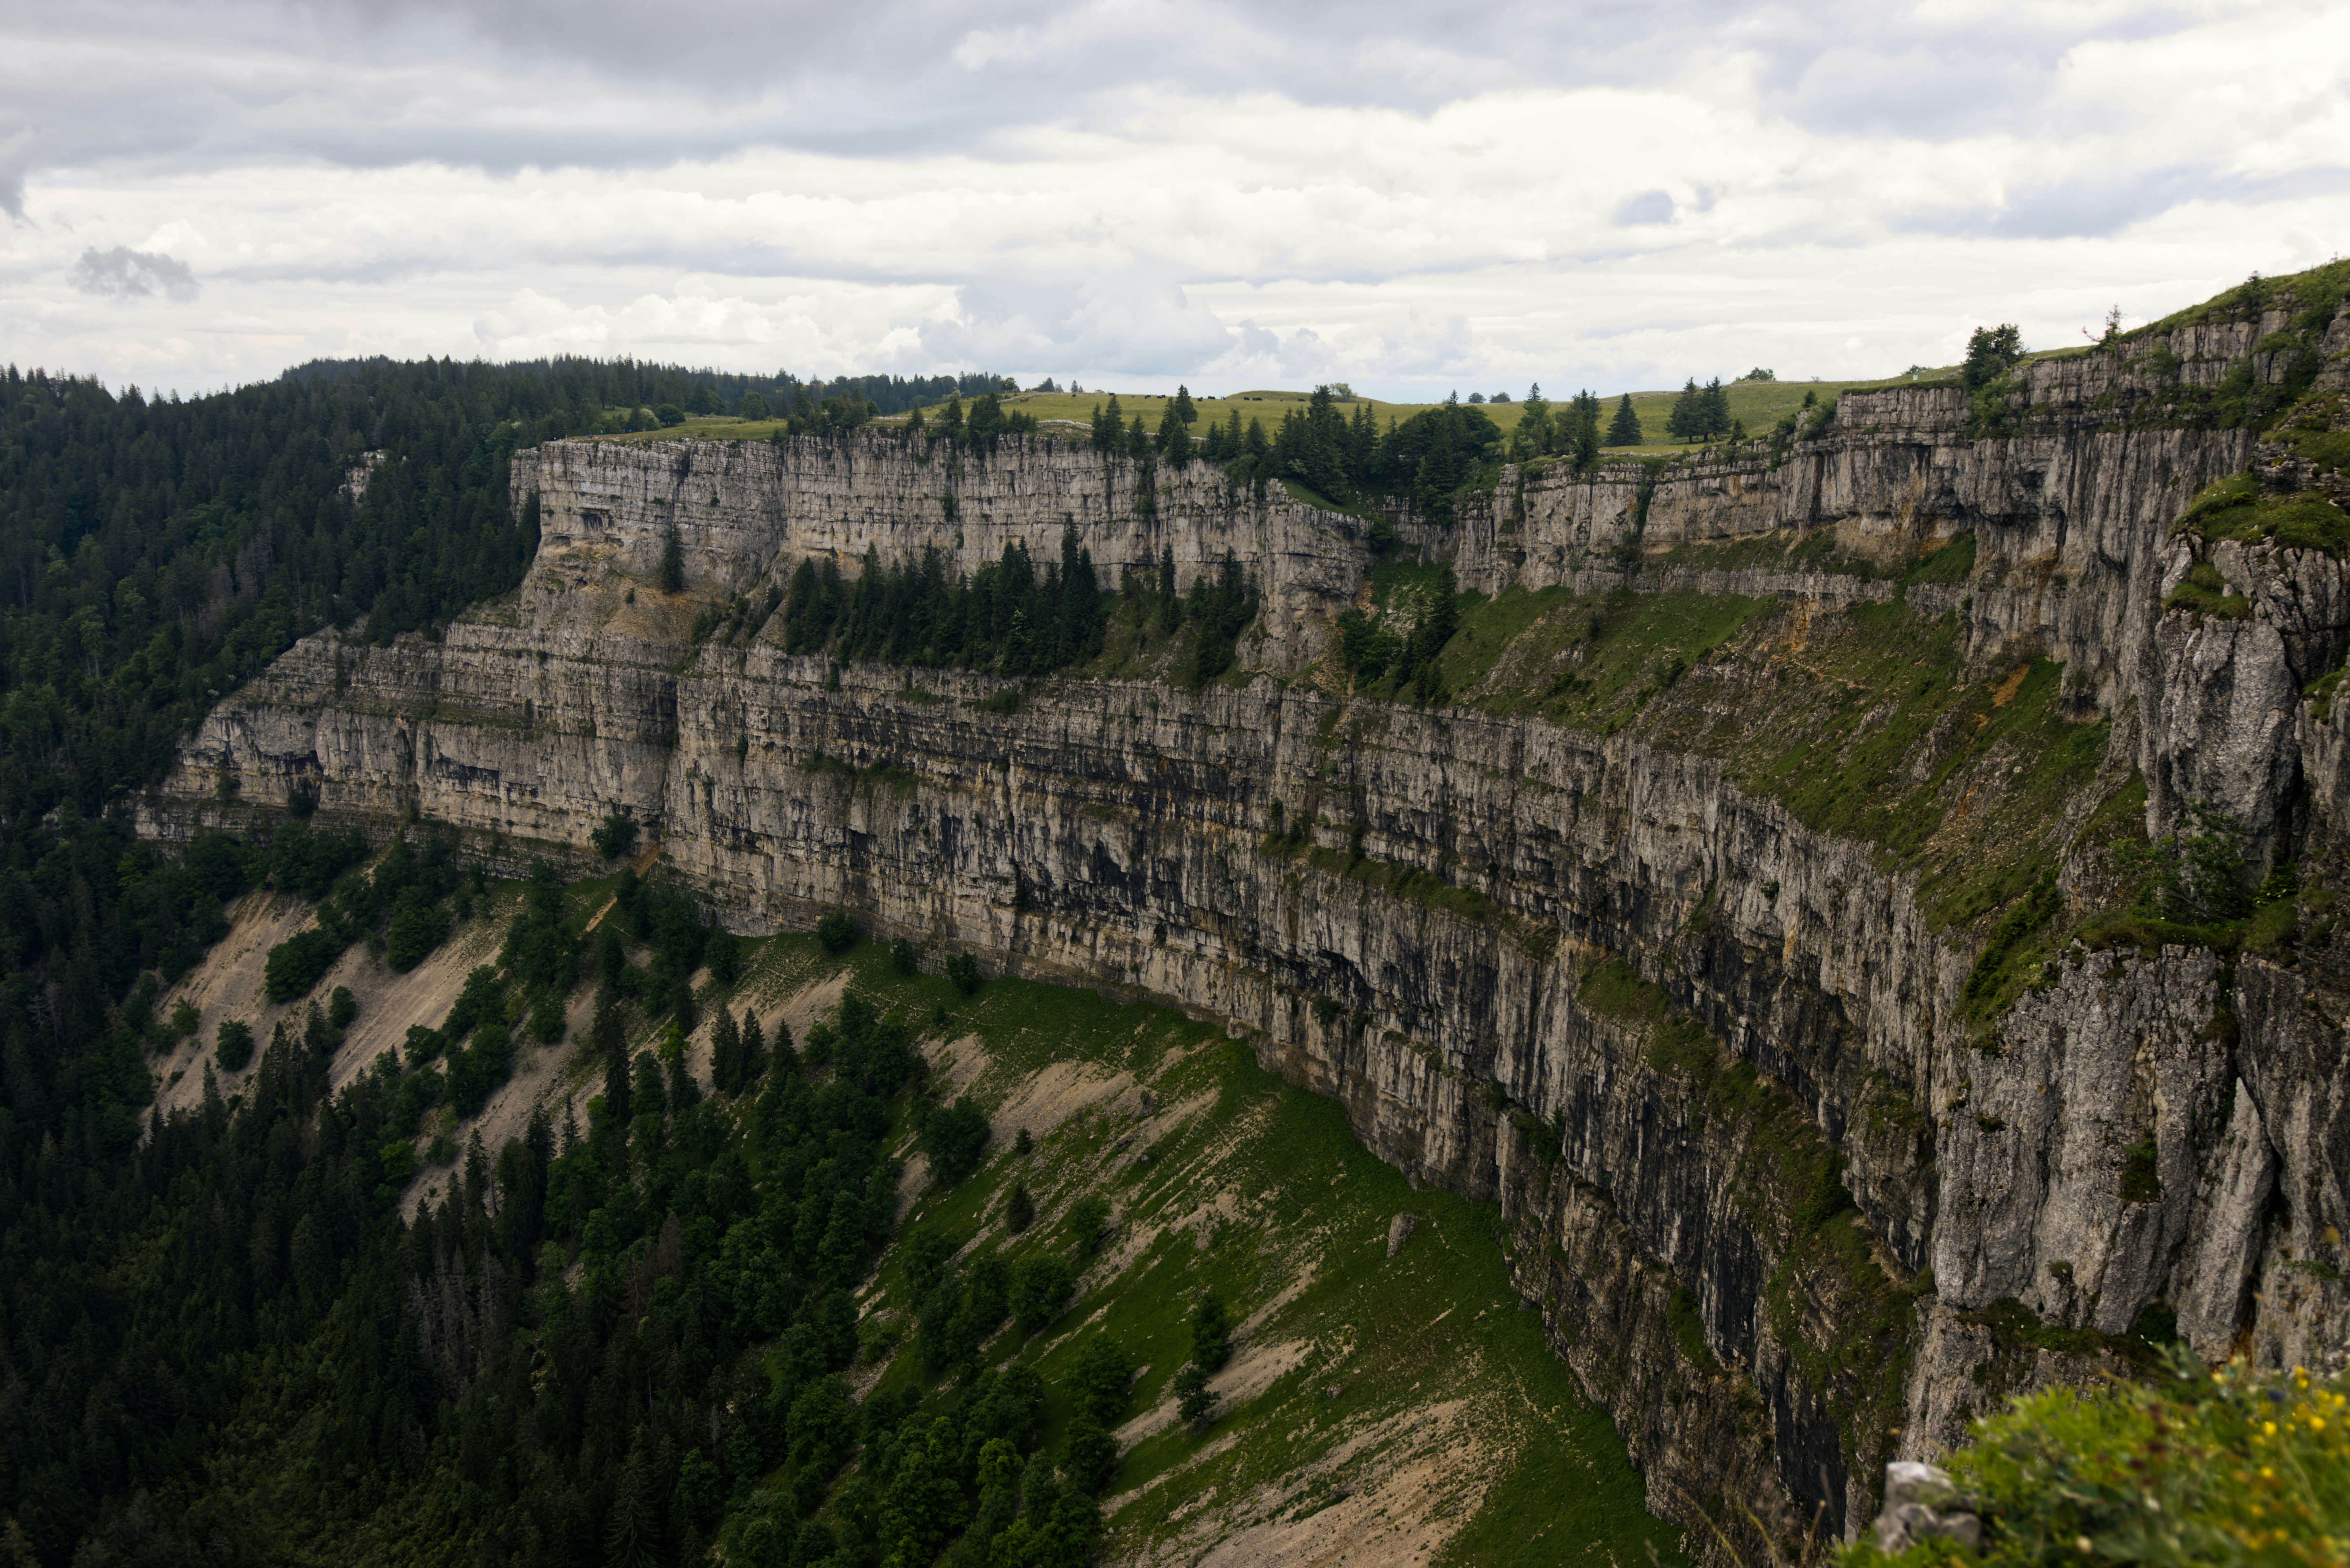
<point>1690,928</point>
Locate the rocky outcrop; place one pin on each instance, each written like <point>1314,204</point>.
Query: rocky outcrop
<point>1789,1211</point>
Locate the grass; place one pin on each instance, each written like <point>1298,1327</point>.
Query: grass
<point>1305,1214</point>
<point>1760,404</point>
<point>2236,508</point>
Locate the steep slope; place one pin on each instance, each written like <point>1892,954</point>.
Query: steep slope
<point>1755,920</point>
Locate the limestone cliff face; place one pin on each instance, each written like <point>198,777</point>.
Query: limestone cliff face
<point>2169,1127</point>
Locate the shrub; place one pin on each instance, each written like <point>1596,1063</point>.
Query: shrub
<point>298,963</point>
<point>1089,1222</point>
<point>1194,1402</point>
<point>615,837</point>
<point>1020,1209</point>
<point>184,1019</point>
<point>233,1045</point>
<point>953,1137</point>
<point>418,925</point>
<point>904,959</point>
<point>1100,1382</point>
<point>342,1007</point>
<point>1090,1458</point>
<point>1211,1333</point>
<point>722,950</point>
<point>837,931</point>
<point>1040,1285</point>
<point>546,1020</point>
<point>964,969</point>
<point>399,1161</point>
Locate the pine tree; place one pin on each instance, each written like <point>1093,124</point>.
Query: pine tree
<point>725,1054</point>
<point>1533,437</point>
<point>1586,431</point>
<point>1687,421</point>
<point>1185,409</point>
<point>1138,441</point>
<point>755,1050</point>
<point>1715,405</point>
<point>1175,436</point>
<point>1625,430</point>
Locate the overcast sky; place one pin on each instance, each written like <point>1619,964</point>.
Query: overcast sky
<point>1412,196</point>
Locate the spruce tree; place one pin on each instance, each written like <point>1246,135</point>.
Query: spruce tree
<point>1185,409</point>
<point>1687,421</point>
<point>755,1050</point>
<point>1624,429</point>
<point>1716,405</point>
<point>1175,436</point>
<point>1586,431</point>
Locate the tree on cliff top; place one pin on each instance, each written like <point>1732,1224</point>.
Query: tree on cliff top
<point>1624,428</point>
<point>1991,352</point>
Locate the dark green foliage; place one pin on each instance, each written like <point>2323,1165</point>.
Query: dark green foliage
<point>1219,609</point>
<point>837,931</point>
<point>1211,1333</point>
<point>1100,1382</point>
<point>1346,461</point>
<point>964,969</point>
<point>1000,618</point>
<point>1194,1401</point>
<point>722,953</point>
<point>1041,1283</point>
<point>233,1045</point>
<point>615,838</point>
<point>904,959</point>
<point>1019,1209</point>
<point>954,1136</point>
<point>299,962</point>
<point>1623,430</point>
<point>342,1007</point>
<point>416,928</point>
<point>1699,413</point>
<point>1991,353</point>
<point>2141,1172</point>
<point>1089,1222</point>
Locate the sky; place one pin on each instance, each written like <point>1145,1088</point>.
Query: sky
<point>1412,197</point>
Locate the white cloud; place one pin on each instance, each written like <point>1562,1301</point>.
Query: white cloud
<point>1411,197</point>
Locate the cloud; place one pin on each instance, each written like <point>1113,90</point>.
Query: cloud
<point>1649,207</point>
<point>125,273</point>
<point>1409,194</point>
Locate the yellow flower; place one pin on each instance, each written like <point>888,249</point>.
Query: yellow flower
<point>2270,1429</point>
<point>2266,1473</point>
<point>2317,1423</point>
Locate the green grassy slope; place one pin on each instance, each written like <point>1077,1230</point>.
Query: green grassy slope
<point>1398,1402</point>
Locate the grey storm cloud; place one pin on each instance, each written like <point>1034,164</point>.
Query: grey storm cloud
<point>125,273</point>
